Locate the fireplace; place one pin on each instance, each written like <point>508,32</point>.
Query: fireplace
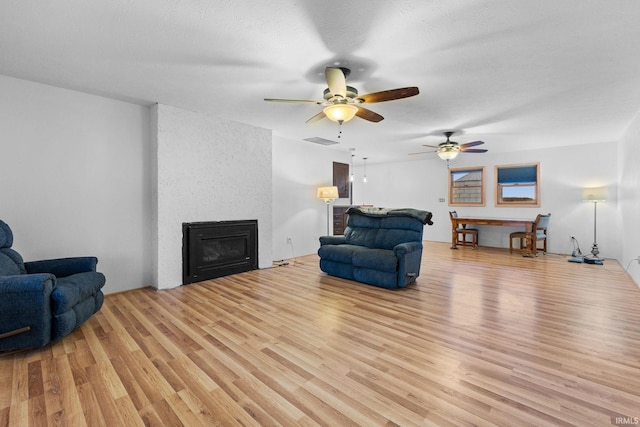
<point>218,248</point>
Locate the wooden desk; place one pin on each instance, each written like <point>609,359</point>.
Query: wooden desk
<point>504,222</point>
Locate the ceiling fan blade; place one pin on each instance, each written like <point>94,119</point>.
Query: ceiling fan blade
<point>390,95</point>
<point>336,81</point>
<point>432,146</point>
<point>363,113</point>
<point>471,144</point>
<point>291,100</point>
<point>321,115</point>
<point>473,150</point>
<point>421,152</point>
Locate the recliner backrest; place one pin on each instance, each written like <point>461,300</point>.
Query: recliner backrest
<point>11,263</point>
<point>383,232</point>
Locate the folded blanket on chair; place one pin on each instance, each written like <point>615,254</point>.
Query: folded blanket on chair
<point>422,216</point>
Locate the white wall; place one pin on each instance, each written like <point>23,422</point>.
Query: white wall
<point>299,168</point>
<point>564,172</point>
<point>74,178</point>
<point>206,169</point>
<point>629,194</point>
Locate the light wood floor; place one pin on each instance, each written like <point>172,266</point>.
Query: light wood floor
<point>482,338</point>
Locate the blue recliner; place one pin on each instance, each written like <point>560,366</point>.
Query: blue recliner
<point>43,301</point>
<point>380,247</point>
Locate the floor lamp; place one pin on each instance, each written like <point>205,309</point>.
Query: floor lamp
<point>328,194</point>
<point>595,195</point>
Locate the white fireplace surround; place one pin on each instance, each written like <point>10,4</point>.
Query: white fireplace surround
<point>201,166</point>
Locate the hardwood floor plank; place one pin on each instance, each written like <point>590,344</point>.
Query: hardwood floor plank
<point>19,414</point>
<point>6,382</point>
<point>208,411</point>
<point>36,385</point>
<point>72,413</point>
<point>37,412</point>
<point>166,414</point>
<point>19,380</point>
<point>281,410</point>
<point>4,416</point>
<point>135,389</point>
<point>187,416</point>
<point>90,405</point>
<point>51,388</point>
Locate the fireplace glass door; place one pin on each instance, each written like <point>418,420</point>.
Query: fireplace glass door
<point>216,249</point>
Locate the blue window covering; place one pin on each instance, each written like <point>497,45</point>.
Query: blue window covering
<point>518,174</point>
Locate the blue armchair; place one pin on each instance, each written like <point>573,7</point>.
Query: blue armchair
<point>43,301</point>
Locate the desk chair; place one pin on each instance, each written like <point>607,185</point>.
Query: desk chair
<point>463,232</point>
<point>529,239</point>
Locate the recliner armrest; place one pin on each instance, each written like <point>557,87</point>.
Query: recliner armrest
<point>62,267</point>
<point>332,240</point>
<point>404,248</point>
<point>25,301</point>
<point>26,283</point>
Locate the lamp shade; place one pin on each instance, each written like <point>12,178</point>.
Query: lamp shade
<point>595,194</point>
<point>340,112</point>
<point>327,193</point>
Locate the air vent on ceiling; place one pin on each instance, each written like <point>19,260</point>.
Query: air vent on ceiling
<point>321,141</point>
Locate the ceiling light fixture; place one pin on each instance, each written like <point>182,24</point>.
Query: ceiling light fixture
<point>448,152</point>
<point>340,113</point>
<point>352,175</point>
<point>364,178</point>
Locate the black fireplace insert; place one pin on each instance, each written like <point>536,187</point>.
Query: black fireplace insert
<point>218,248</point>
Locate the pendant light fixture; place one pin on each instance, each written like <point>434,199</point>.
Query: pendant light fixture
<point>364,179</point>
<point>352,175</point>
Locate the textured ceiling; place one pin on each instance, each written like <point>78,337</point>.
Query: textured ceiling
<point>517,74</point>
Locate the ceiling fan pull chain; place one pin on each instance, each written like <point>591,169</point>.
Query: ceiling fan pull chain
<point>340,129</point>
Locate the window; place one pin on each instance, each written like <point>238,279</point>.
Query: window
<point>466,186</point>
<point>518,185</point>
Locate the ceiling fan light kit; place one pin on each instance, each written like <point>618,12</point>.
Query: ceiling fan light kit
<point>448,153</point>
<point>340,113</point>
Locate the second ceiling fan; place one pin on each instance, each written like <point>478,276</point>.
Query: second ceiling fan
<point>342,103</point>
<point>449,150</point>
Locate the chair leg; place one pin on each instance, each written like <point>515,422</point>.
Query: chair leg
<point>532,246</point>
